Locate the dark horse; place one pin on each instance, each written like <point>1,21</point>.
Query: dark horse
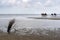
<point>10,25</point>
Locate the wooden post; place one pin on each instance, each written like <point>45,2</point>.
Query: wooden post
<point>11,22</point>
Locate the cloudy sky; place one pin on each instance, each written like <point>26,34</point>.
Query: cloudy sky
<point>29,6</point>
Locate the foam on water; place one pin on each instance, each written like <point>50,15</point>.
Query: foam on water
<point>26,25</point>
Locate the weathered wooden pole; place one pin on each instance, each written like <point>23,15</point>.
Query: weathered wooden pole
<point>11,22</point>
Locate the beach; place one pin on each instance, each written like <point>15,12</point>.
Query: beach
<point>26,28</point>
<point>31,29</point>
<point>15,37</point>
<point>5,36</point>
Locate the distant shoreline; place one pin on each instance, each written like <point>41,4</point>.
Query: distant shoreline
<point>50,18</point>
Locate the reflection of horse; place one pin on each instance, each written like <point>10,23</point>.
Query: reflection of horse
<point>10,25</point>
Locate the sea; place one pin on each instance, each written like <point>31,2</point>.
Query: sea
<point>36,23</point>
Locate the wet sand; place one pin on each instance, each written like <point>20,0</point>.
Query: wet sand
<point>16,37</point>
<point>49,18</point>
<point>5,36</point>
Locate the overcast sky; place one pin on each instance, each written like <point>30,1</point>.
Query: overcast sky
<point>29,6</point>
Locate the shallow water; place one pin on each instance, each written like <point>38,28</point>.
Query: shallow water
<point>24,22</point>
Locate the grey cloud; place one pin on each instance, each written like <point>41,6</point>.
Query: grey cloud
<point>32,3</point>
